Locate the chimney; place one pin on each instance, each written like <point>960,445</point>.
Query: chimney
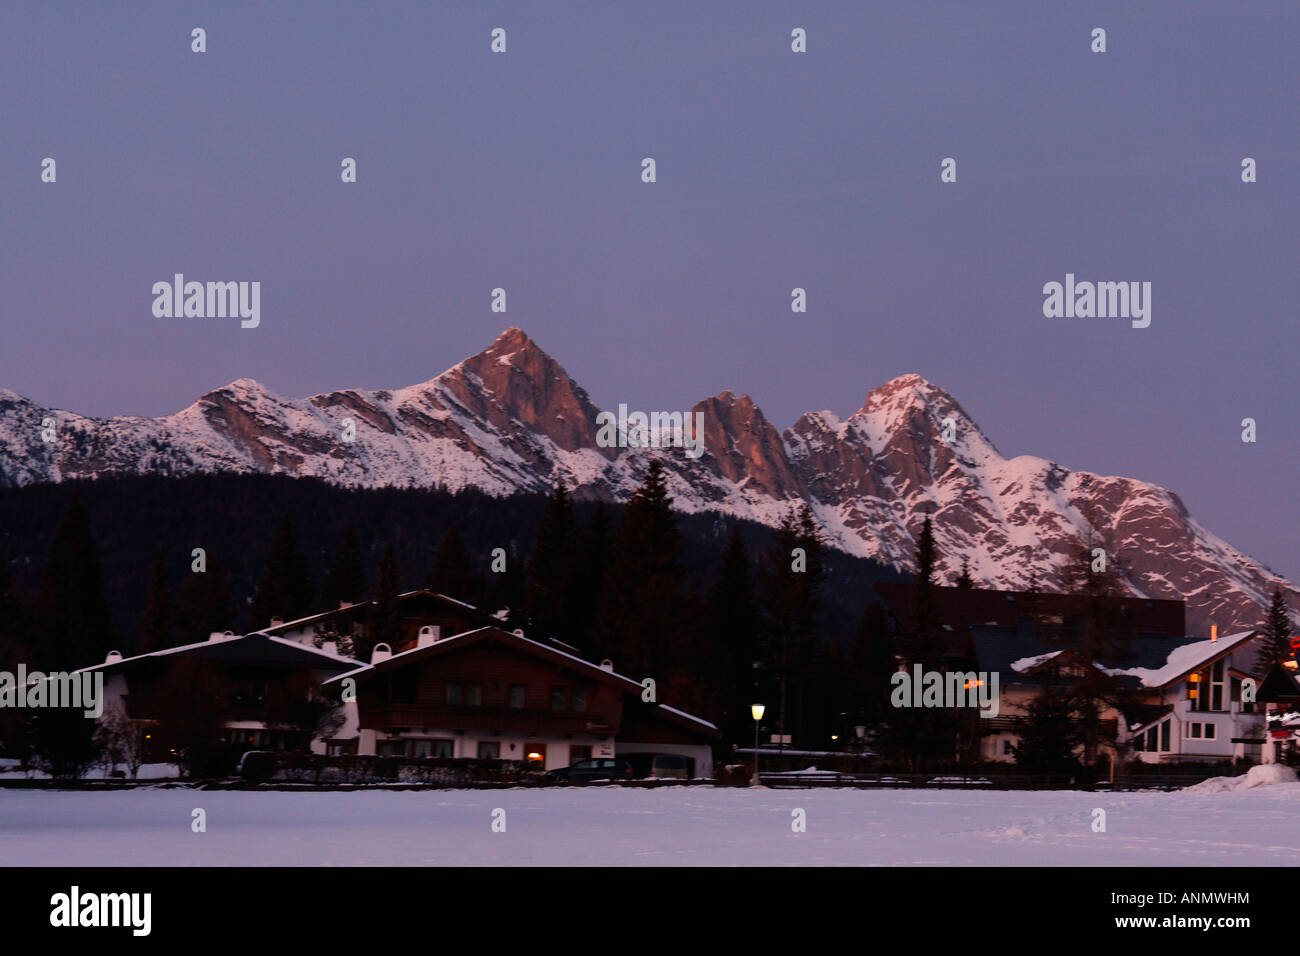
<point>276,621</point>
<point>113,657</point>
<point>382,652</point>
<point>221,635</point>
<point>429,634</point>
<point>344,604</point>
<point>607,665</point>
<point>1214,633</point>
<point>519,632</point>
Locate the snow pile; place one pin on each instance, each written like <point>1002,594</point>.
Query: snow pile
<point>1261,776</point>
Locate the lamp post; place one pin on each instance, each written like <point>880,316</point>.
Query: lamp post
<point>757,711</point>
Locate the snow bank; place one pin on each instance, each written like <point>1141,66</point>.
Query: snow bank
<point>1261,776</point>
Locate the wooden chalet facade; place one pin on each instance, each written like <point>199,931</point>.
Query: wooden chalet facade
<point>489,693</point>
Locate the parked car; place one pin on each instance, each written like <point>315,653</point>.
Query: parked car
<point>594,768</point>
<point>660,766</point>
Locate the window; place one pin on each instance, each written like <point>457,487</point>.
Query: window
<point>489,750</point>
<point>580,699</point>
<point>421,748</point>
<point>1216,686</point>
<point>1152,740</point>
<point>1164,736</point>
<point>1194,731</point>
<point>1209,731</point>
<point>444,748</point>
<point>401,687</point>
<point>1006,747</point>
<point>516,699</point>
<point>579,752</point>
<point>464,695</point>
<point>559,698</point>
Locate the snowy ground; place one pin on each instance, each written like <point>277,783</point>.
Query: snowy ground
<point>682,826</point>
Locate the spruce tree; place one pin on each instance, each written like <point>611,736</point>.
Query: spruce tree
<point>346,578</point>
<point>1275,641</point>
<point>72,626</point>
<point>643,624</point>
<point>732,640</point>
<point>451,573</point>
<point>203,603</point>
<point>284,590</point>
<point>964,581</point>
<point>385,623</point>
<point>156,622</point>
<point>551,594</point>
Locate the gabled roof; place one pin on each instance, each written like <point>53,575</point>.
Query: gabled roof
<point>1184,659</point>
<point>361,606</point>
<point>466,638</point>
<point>256,646</point>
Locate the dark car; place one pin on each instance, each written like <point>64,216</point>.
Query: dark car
<point>595,768</point>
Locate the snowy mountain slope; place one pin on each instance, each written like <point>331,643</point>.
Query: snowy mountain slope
<point>510,419</point>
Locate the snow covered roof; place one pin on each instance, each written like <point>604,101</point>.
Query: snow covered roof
<point>1026,664</point>
<point>595,670</point>
<point>1183,660</point>
<point>223,643</point>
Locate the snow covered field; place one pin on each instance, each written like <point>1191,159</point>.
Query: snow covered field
<point>621,827</point>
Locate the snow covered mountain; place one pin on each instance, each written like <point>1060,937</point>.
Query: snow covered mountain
<point>510,419</point>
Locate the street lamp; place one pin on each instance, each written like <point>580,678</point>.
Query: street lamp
<point>757,711</point>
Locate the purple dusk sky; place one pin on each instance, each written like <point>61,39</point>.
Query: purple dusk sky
<point>775,170</point>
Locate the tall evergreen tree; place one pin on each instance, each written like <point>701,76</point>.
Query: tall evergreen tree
<point>552,594</point>
<point>156,623</point>
<point>791,575</point>
<point>13,620</point>
<point>285,589</point>
<point>203,603</point>
<point>593,565</point>
<point>732,648</point>
<point>451,573</point>
<point>873,663</point>
<point>72,625</point>
<point>644,624</point>
<point>385,623</point>
<point>346,578</point>
<point>1275,642</point>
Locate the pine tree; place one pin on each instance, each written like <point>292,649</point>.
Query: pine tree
<point>919,641</point>
<point>13,620</point>
<point>385,623</point>
<point>551,595</point>
<point>792,573</point>
<point>72,631</point>
<point>284,590</point>
<point>156,623</point>
<point>593,566</point>
<point>451,574</point>
<point>727,662</point>
<point>873,663</point>
<point>203,603</point>
<point>72,625</point>
<point>1275,641</point>
<point>964,581</point>
<point>643,624</point>
<point>346,578</point>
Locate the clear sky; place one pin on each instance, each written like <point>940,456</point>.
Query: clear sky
<point>775,170</point>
